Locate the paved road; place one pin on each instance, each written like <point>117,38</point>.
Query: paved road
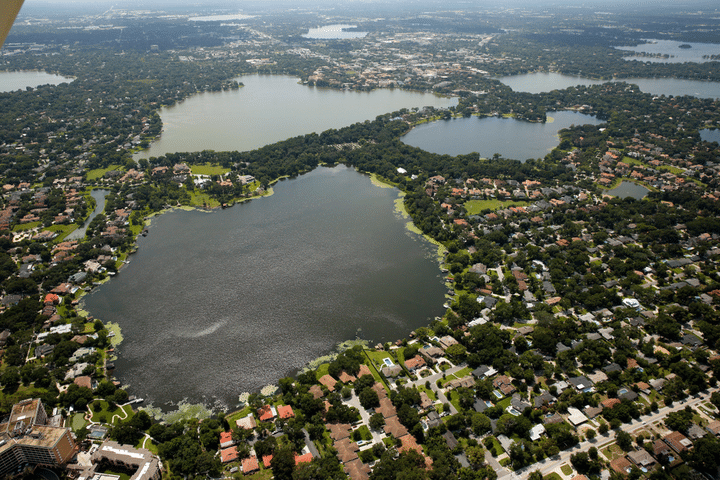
<point>433,384</point>
<point>549,465</point>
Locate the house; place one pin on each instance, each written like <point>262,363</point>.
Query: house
<point>582,384</point>
<point>467,382</point>
<point>447,341</point>
<point>592,412</point>
<point>621,465</point>
<point>483,372</point>
<point>662,449</point>
<point>610,403</point>
<point>250,465</point>
<point>248,423</point>
<point>285,411</point>
<point>504,384</point>
<point>545,398</point>
<point>226,440</point>
<point>642,459</point>
<point>266,413</point>
<point>714,427</point>
<point>391,372</point>
<point>536,432</point>
<point>229,454</point>
<point>678,442</point>
<point>576,417</point>
<point>696,432</point>
<point>414,363</point>
<point>328,381</point>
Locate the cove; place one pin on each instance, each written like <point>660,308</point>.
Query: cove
<point>541,82</point>
<point>99,196</point>
<point>487,136</point>
<point>20,80</point>
<point>271,108</point>
<point>214,304</point>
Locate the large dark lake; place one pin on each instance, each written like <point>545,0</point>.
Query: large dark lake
<point>214,304</point>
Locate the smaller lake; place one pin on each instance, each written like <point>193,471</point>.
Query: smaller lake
<point>334,32</point>
<point>99,196</point>
<point>709,135</point>
<point>12,81</point>
<point>671,47</point>
<point>490,135</point>
<point>628,189</point>
<point>541,82</point>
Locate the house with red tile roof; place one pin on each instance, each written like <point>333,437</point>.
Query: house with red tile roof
<point>266,460</point>
<point>250,465</point>
<point>610,403</point>
<point>285,411</point>
<point>266,413</point>
<point>306,458</point>
<point>414,363</point>
<point>346,377</point>
<point>229,454</point>
<point>364,370</point>
<point>328,381</point>
<point>226,440</point>
<point>678,442</point>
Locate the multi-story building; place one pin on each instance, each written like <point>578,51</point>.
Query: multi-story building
<point>25,440</point>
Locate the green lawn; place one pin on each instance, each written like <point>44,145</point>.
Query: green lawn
<point>62,231</point>
<point>632,161</point>
<point>103,415</point>
<point>99,172</point>
<point>202,200</point>
<point>474,207</point>
<point>77,422</point>
<point>566,469</point>
<point>208,169</point>
<point>552,476</point>
<point>25,226</point>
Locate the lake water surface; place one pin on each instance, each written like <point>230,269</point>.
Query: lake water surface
<point>629,189</point>
<point>672,47</point>
<point>334,32</point>
<point>487,136</point>
<point>710,135</point>
<point>271,108</point>
<point>12,81</point>
<point>233,300</point>
<point>547,81</point>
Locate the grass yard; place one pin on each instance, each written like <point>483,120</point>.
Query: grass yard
<point>25,226</point>
<point>322,370</point>
<point>612,452</point>
<point>265,474</point>
<point>566,469</point>
<point>62,231</point>
<point>99,172</point>
<point>203,200</point>
<point>552,476</point>
<point>474,207</point>
<point>77,422</point>
<point>631,161</point>
<point>103,415</point>
<point>209,169</point>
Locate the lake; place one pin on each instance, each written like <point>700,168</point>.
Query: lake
<point>12,81</point>
<point>672,47</point>
<point>628,189</point>
<point>710,135</point>
<point>334,32</point>
<point>271,108</point>
<point>510,138</point>
<point>214,304</point>
<point>547,81</point>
